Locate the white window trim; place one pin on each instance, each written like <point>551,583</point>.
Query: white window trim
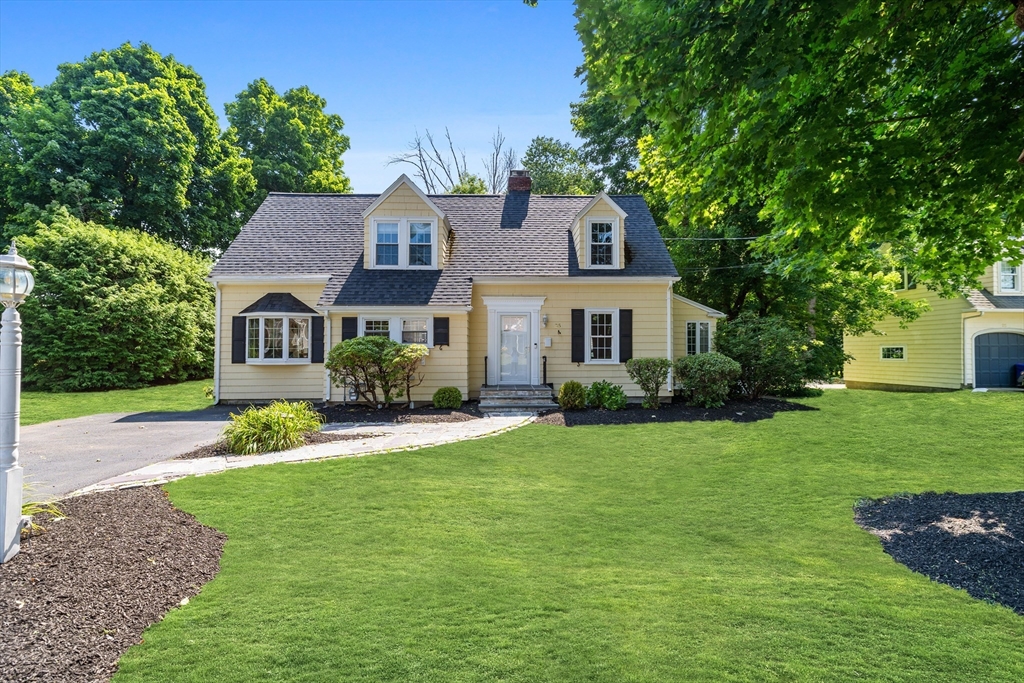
<point>686,336</point>
<point>395,325</point>
<point>284,360</point>
<point>614,360</point>
<point>403,242</point>
<point>614,220</point>
<point>882,357</point>
<point>999,279</point>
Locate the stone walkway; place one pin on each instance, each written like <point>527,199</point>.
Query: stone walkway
<point>385,438</point>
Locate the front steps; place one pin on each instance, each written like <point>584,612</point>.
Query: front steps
<point>516,398</point>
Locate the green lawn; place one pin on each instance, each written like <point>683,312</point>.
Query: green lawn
<point>41,406</point>
<point>706,551</point>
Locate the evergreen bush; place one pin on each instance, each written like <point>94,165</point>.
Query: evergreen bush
<point>706,378</point>
<point>448,398</point>
<point>650,374</point>
<point>606,395</point>
<point>572,396</point>
<point>772,354</point>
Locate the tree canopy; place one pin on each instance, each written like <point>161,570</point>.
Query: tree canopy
<point>125,138</point>
<point>294,145</point>
<point>469,183</point>
<point>848,125</point>
<point>558,168</point>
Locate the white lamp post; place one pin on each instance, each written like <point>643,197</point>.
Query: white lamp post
<point>16,283</point>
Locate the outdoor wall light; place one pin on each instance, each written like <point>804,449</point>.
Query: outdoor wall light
<point>544,320</point>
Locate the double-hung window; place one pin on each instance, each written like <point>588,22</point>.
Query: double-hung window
<point>698,337</point>
<point>602,242</point>
<point>1009,278</point>
<point>404,330</point>
<point>602,336</point>
<point>277,339</point>
<point>404,243</point>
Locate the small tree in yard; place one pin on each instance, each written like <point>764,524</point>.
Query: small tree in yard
<point>406,363</point>
<point>650,374</point>
<point>773,355</point>
<point>377,367</point>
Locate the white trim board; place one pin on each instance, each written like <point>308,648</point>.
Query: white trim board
<point>593,202</point>
<point>712,313</point>
<point>268,279</point>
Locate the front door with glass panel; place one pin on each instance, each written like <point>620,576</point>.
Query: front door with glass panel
<point>515,350</point>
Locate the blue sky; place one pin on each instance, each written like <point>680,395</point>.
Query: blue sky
<point>387,67</point>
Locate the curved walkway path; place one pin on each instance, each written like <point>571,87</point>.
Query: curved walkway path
<point>381,438</point>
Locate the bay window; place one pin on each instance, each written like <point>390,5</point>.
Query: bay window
<point>266,339</point>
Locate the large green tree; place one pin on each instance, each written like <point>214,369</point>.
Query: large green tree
<point>558,168</point>
<point>851,123</point>
<point>294,145</point>
<point>124,138</point>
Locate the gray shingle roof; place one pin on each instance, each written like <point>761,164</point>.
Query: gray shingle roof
<point>278,302</point>
<point>511,235</point>
<point>984,300</point>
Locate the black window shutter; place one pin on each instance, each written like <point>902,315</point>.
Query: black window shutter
<point>349,328</point>
<point>238,339</point>
<point>316,354</point>
<point>625,334</point>
<point>441,336</point>
<point>579,346</point>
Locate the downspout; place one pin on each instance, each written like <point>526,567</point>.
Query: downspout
<point>327,342</point>
<point>668,311</point>
<point>216,345</point>
<point>963,348</point>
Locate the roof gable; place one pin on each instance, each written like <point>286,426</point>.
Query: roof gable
<point>402,180</point>
<point>597,200</point>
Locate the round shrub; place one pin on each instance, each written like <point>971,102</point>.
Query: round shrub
<point>113,309</point>
<point>276,427</point>
<point>650,374</point>
<point>706,378</point>
<point>606,395</point>
<point>448,398</point>
<point>572,396</point>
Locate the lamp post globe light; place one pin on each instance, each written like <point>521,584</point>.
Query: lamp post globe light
<point>16,284</point>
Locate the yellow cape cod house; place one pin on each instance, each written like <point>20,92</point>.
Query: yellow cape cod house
<point>507,291</point>
<point>974,340</point>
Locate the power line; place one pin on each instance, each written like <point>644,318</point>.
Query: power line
<point>705,239</point>
<point>746,265</point>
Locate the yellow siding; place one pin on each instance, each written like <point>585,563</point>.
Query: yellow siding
<point>444,367</point>
<point>402,203</point>
<point>933,348</point>
<point>600,210</point>
<point>650,313</point>
<point>681,313</point>
<point>251,382</point>
<point>988,280</point>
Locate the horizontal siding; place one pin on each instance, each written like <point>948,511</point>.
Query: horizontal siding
<point>649,327</point>
<point>444,367</point>
<point>933,347</point>
<point>249,382</point>
<point>402,203</point>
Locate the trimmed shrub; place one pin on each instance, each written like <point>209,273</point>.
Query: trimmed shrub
<point>773,356</point>
<point>276,427</point>
<point>606,395</point>
<point>365,363</point>
<point>706,378</point>
<point>113,309</point>
<point>448,398</point>
<point>572,396</point>
<point>650,374</point>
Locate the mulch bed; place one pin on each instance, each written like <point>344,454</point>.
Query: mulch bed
<point>363,413</point>
<point>735,411</point>
<point>970,541</point>
<point>221,447</point>
<point>81,592</point>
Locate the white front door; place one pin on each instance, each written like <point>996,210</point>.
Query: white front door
<point>515,349</point>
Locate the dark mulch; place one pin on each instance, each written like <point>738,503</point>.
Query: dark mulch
<point>970,541</point>
<point>736,411</point>
<point>80,593</point>
<point>221,447</point>
<point>362,413</point>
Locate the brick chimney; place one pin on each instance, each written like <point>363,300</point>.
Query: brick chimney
<point>519,181</point>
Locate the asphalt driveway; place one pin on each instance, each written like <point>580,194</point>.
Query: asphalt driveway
<point>66,455</point>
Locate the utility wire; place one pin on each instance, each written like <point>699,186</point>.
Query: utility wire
<point>746,265</point>
<point>705,239</point>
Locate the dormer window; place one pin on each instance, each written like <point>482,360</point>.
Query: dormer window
<point>602,242</point>
<point>1009,279</point>
<point>404,242</point>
